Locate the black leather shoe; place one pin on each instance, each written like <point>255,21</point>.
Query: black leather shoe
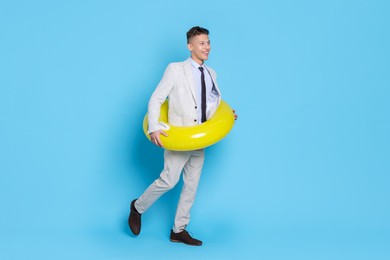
<point>184,237</point>
<point>134,219</point>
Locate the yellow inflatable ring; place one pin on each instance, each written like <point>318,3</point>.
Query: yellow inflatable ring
<point>182,138</point>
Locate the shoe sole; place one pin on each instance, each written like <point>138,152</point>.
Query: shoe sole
<point>178,241</point>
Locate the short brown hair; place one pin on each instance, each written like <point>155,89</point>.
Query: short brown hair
<point>196,30</point>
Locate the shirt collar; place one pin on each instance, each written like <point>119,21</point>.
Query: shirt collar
<point>195,64</point>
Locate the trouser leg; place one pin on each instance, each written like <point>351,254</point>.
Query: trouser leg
<point>191,176</point>
<point>173,165</point>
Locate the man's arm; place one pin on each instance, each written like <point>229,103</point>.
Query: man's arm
<point>158,97</point>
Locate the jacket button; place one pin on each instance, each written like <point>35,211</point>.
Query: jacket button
<point>196,107</point>
<point>194,120</point>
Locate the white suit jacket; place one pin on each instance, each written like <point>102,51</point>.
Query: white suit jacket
<point>178,85</point>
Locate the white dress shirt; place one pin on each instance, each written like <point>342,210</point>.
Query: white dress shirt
<point>212,93</point>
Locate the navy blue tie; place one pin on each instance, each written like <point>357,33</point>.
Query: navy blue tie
<point>203,103</point>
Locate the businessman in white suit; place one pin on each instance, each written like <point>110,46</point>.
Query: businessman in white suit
<point>193,97</point>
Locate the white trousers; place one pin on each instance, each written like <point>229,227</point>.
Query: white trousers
<point>176,162</point>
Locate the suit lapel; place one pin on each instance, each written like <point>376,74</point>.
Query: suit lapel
<point>190,78</point>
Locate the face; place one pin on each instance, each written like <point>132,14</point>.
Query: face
<point>199,46</point>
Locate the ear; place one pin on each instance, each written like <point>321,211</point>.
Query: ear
<point>189,46</point>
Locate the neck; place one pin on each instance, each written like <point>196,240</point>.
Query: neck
<point>200,62</point>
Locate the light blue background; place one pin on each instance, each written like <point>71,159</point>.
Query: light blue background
<point>303,175</point>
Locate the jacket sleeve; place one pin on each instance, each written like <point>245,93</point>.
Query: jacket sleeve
<point>158,97</point>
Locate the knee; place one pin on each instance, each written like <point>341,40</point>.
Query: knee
<point>167,183</point>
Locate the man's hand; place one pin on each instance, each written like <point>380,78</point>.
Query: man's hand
<point>235,115</point>
<point>155,137</point>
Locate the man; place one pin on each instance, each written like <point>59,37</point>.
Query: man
<point>193,97</point>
